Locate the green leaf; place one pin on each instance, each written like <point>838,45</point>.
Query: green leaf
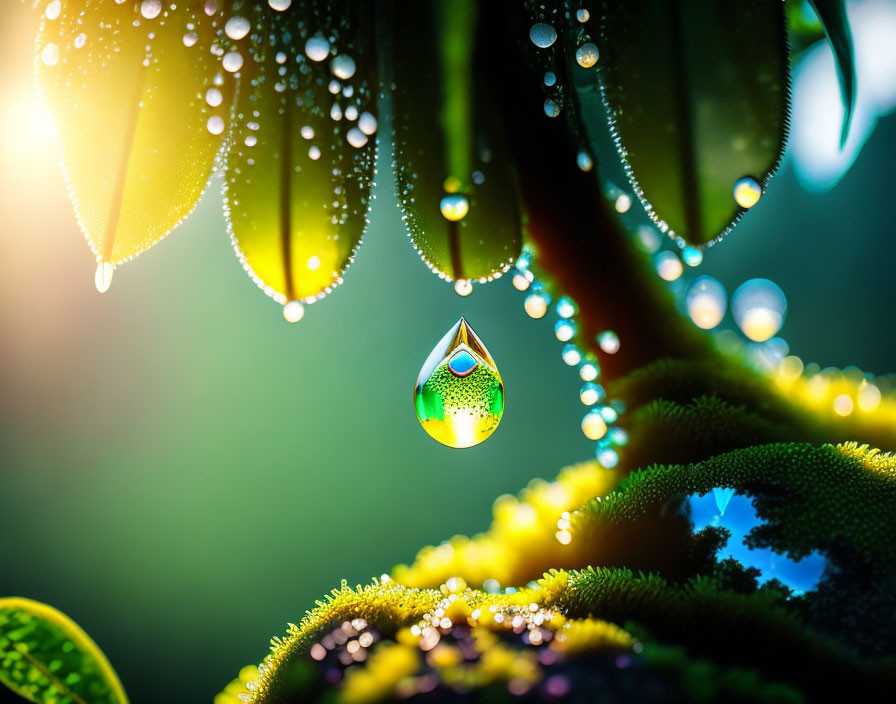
<point>449,144</point>
<point>47,658</point>
<point>832,14</point>
<point>299,172</point>
<point>698,98</point>
<point>129,101</point>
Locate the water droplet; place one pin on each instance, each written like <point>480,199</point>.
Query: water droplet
<point>608,341</point>
<point>317,48</point>
<point>607,457</point>
<point>313,263</point>
<point>53,10</point>
<point>592,393</point>
<point>293,311</point>
<point>215,124</point>
<point>459,395</point>
<point>759,306</point>
<point>668,265</point>
<point>747,192</point>
<point>566,307</point>
<point>463,287</point>
<point>593,425</point>
<point>584,161</point>
<point>210,8</point>
<point>551,107</point>
<point>522,280</point>
<point>706,301</point>
<point>351,113</point>
<point>280,5</point>
<point>542,35</point>
<point>454,207</point>
<point>583,15</point>
<point>623,203</point>
<point>307,132</point>
<point>213,97</point>
<point>571,355</point>
<point>50,54</point>
<point>314,153</point>
<point>550,79</point>
<point>589,371</point>
<point>190,38</point>
<point>335,112</point>
<point>367,123</point>
<point>343,66</point>
<point>103,277</point>
<point>356,137</point>
<point>80,41</point>
<point>587,55</point>
<point>536,305</point>
<point>232,61</point>
<point>150,9</point>
<point>251,140</point>
<point>564,330</point>
<point>237,28</point>
<point>692,256</point>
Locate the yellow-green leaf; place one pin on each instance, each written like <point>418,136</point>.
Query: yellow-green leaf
<point>455,179</point>
<point>127,86</point>
<point>299,172</point>
<point>47,658</point>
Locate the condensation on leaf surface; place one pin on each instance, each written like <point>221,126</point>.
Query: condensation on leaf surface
<point>138,141</point>
<point>301,164</point>
<point>47,658</point>
<point>455,180</point>
<point>698,96</point>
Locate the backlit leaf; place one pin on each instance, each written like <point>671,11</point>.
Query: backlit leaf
<point>698,96</point>
<point>455,180</point>
<point>299,172</point>
<point>832,14</point>
<point>47,658</point>
<point>138,138</point>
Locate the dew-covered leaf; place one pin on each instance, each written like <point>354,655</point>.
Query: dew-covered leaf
<point>455,180</point>
<point>47,658</point>
<point>127,85</point>
<point>300,169</point>
<point>832,14</point>
<point>698,98</point>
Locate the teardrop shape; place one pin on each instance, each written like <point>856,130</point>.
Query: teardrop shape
<point>459,394</point>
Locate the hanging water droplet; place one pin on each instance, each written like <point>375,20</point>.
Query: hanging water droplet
<point>150,9</point>
<point>589,371</point>
<point>314,153</point>
<point>668,265</point>
<point>550,79</point>
<point>593,425</point>
<point>564,330</point>
<point>542,35</point>
<point>608,341</point>
<point>351,113</point>
<point>584,161</point>
<point>571,355</point>
<point>463,287</point>
<point>103,277</point>
<point>250,140</point>
<point>210,7</point>
<point>317,48</point>
<point>706,302</point>
<point>536,305</point>
<point>307,132</point>
<point>759,306</point>
<point>80,41</point>
<point>343,66</point>
<point>356,137</point>
<point>232,61</point>
<point>566,307</point>
<point>623,203</point>
<point>190,38</point>
<point>692,256</point>
<point>454,207</point>
<point>522,279</point>
<point>583,15</point>
<point>551,107</point>
<point>50,54</point>
<point>747,192</point>
<point>293,311</point>
<point>237,28</point>
<point>280,5</point>
<point>213,97</point>
<point>367,123</point>
<point>587,55</point>
<point>592,393</point>
<point>53,10</point>
<point>215,124</point>
<point>459,395</point>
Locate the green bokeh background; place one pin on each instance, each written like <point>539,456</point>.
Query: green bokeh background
<point>183,472</point>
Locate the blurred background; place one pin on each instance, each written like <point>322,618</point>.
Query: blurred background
<point>182,472</point>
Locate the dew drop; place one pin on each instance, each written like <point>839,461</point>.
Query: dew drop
<point>307,132</point>
<point>550,79</point>
<point>80,41</point>
<point>335,112</point>
<point>213,97</point>
<point>759,307</point>
<point>583,15</point>
<point>522,280</point>
<point>747,192</point>
<point>623,203</point>
<point>150,9</point>
<point>591,393</point>
<point>317,48</point>
<point>215,124</point>
<point>293,311</point>
<point>343,66</point>
<point>608,341</point>
<point>668,265</point>
<point>584,161</point>
<point>536,305</point>
<point>551,107</point>
<point>571,355</point>
<point>351,113</point>
<point>251,140</point>
<point>542,35</point>
<point>314,153</point>
<point>593,425</point>
<point>232,61</point>
<point>566,308</point>
<point>210,8</point>
<point>356,137</point>
<point>50,54</point>
<point>692,256</point>
<point>587,55</point>
<point>53,10</point>
<point>103,277</point>
<point>279,5</point>
<point>564,330</point>
<point>237,28</point>
<point>454,207</point>
<point>190,38</point>
<point>367,123</point>
<point>462,287</point>
<point>706,302</point>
